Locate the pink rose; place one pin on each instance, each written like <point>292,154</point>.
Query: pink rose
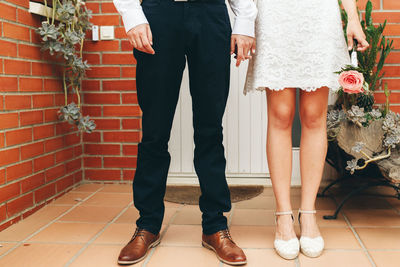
<point>352,82</point>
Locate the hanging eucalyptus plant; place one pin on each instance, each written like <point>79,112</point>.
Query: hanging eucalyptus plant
<point>63,34</point>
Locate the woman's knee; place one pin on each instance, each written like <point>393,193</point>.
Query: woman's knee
<point>281,116</point>
<point>312,116</point>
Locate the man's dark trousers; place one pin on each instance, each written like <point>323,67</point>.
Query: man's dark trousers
<point>199,33</point>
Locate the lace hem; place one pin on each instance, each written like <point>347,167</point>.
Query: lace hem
<point>333,88</point>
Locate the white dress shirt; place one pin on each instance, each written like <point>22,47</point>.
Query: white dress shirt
<point>245,14</point>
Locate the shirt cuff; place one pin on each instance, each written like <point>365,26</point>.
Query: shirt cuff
<point>133,19</point>
<point>244,27</point>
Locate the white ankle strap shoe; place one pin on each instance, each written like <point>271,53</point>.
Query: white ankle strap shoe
<point>287,249</point>
<point>311,247</point>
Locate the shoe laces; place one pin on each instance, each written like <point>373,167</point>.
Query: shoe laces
<point>138,232</point>
<point>226,234</point>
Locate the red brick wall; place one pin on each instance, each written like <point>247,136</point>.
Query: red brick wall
<point>110,98</point>
<point>389,10</point>
<point>40,157</point>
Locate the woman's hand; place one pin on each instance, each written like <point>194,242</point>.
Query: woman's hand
<point>245,45</point>
<point>354,31</point>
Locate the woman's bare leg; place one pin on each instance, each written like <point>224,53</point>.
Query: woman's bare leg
<point>281,110</point>
<point>313,147</point>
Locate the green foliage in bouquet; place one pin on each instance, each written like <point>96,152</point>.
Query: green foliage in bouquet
<point>357,107</point>
<point>370,61</point>
<point>63,34</point>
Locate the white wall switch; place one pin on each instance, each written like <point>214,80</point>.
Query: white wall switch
<point>106,32</point>
<point>95,33</point>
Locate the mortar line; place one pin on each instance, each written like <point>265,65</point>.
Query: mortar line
<point>359,240</point>
<point>147,259</point>
<point>296,262</point>
<point>85,246</point>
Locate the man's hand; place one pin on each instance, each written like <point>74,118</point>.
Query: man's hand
<point>246,46</point>
<point>141,38</point>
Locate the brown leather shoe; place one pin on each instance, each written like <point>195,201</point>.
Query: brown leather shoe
<point>226,250</point>
<point>138,247</point>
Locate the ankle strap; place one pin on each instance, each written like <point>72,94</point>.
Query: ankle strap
<point>277,213</point>
<point>307,211</point>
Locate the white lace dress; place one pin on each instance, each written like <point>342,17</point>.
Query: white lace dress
<point>299,44</point>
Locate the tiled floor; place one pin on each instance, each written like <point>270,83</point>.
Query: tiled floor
<point>89,225</point>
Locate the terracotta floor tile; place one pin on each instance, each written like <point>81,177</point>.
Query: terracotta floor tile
<point>132,214</point>
<point>168,215</point>
<point>366,202</point>
<point>266,217</point>
<point>259,202</point>
<point>320,203</point>
<point>294,191</point>
<point>295,202</point>
<point>268,202</point>
<point>20,230</point>
<point>31,224</point>
<point>265,257</point>
<point>188,215</point>
<point>129,216</point>
<point>182,257</point>
<point>335,258</point>
<point>91,214</point>
<point>394,202</point>
<point>173,205</point>
<point>117,188</point>
<point>108,199</point>
<point>373,217</point>
<point>40,255</point>
<point>99,256</point>
<point>263,237</point>
<point>339,222</point>
<point>71,198</point>
<point>116,233</point>
<point>381,190</point>
<point>48,213</point>
<point>268,192</point>
<point>88,187</point>
<point>325,204</point>
<point>339,238</point>
<point>6,247</point>
<point>182,235</point>
<point>253,236</point>
<point>252,228</point>
<point>68,232</point>
<point>253,217</point>
<point>380,238</point>
<point>385,258</point>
